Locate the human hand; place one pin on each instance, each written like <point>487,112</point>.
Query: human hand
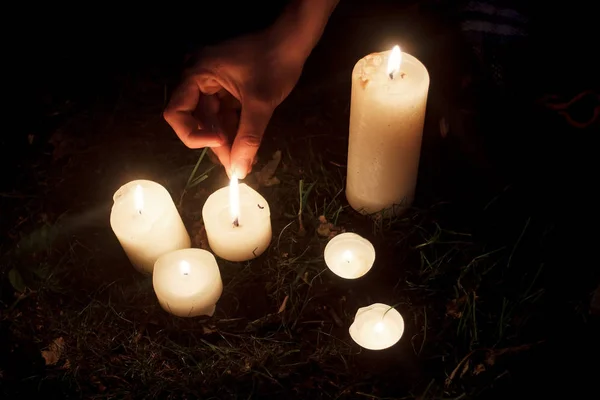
<point>259,71</point>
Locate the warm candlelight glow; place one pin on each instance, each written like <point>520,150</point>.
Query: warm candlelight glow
<point>347,256</point>
<point>394,61</point>
<point>138,198</point>
<point>184,266</point>
<point>234,200</point>
<point>377,327</point>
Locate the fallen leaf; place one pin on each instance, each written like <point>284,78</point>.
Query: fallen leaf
<point>207,331</point>
<point>282,306</point>
<point>479,369</point>
<point>453,308</point>
<point>266,176</point>
<point>465,369</point>
<point>323,228</point>
<point>199,238</point>
<point>55,350</point>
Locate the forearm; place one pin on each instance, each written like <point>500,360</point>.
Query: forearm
<point>301,25</point>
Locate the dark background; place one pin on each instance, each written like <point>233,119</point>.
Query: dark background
<point>62,59</point>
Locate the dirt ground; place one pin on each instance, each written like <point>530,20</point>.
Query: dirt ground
<point>493,270</point>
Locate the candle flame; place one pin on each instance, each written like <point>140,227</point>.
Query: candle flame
<point>347,255</point>
<point>185,267</point>
<point>138,198</point>
<point>394,61</point>
<point>234,200</point>
<point>379,327</point>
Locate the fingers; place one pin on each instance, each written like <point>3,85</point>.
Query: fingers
<point>253,122</point>
<point>179,115</point>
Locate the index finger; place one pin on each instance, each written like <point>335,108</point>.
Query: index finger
<point>179,115</point>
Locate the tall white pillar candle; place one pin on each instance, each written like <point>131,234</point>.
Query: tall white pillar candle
<point>147,223</point>
<point>237,220</point>
<point>349,255</point>
<point>387,114</point>
<point>377,327</point>
<point>187,282</point>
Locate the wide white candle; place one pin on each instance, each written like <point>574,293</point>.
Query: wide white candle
<point>377,327</point>
<point>237,220</point>
<point>147,223</point>
<point>187,282</point>
<point>349,255</point>
<point>387,114</point>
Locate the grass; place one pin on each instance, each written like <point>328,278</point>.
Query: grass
<point>281,326</point>
<point>77,321</point>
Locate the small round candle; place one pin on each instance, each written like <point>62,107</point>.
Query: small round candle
<point>237,220</point>
<point>349,255</point>
<point>147,223</point>
<point>377,327</point>
<point>187,282</point>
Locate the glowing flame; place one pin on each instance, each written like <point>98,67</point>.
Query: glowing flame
<point>234,200</point>
<point>185,267</point>
<point>347,255</point>
<point>394,62</point>
<point>138,198</point>
<point>379,327</point>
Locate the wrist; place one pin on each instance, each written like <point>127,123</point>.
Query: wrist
<point>297,31</point>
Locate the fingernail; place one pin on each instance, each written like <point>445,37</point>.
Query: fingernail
<point>242,167</point>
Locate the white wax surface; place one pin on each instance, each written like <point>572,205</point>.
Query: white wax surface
<point>386,128</point>
<point>147,233</point>
<point>187,282</point>
<point>349,255</point>
<point>237,243</point>
<point>377,327</point>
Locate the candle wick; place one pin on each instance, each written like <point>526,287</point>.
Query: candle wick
<point>392,75</point>
<point>140,212</point>
<point>236,223</point>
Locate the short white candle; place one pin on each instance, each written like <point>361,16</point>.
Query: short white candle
<point>237,220</point>
<point>377,327</point>
<point>387,114</point>
<point>349,255</point>
<point>147,223</point>
<point>187,282</point>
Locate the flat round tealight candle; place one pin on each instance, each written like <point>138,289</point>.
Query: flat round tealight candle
<point>237,220</point>
<point>147,223</point>
<point>187,282</point>
<point>377,327</point>
<point>349,255</point>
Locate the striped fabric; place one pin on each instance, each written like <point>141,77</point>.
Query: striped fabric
<point>491,27</point>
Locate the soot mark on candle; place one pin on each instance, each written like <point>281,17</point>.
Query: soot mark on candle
<point>261,207</point>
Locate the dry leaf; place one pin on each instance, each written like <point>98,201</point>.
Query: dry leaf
<point>55,350</point>
<point>207,331</point>
<point>478,369</point>
<point>454,306</point>
<point>282,306</point>
<point>465,369</point>
<point>199,238</point>
<point>266,176</point>
<point>324,227</point>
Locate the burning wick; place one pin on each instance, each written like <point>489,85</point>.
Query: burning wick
<point>138,197</point>
<point>234,200</point>
<point>394,62</point>
<point>185,267</point>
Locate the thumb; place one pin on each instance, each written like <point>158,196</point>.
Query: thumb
<point>253,122</point>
